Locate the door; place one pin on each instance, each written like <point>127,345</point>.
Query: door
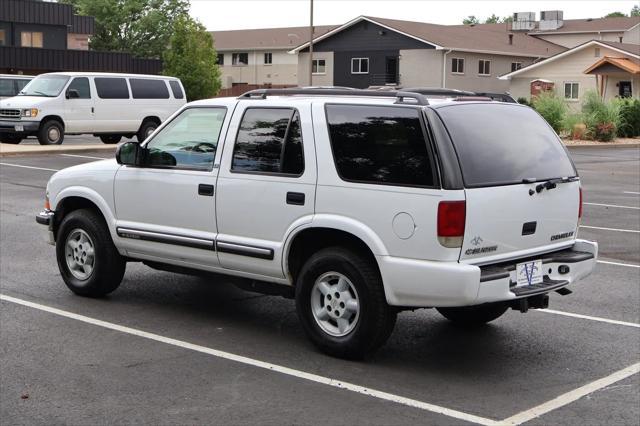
<point>391,65</point>
<point>115,112</point>
<point>266,186</point>
<point>79,106</point>
<point>624,89</point>
<point>165,208</point>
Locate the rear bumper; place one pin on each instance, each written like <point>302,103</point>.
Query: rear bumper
<point>13,127</point>
<point>415,283</point>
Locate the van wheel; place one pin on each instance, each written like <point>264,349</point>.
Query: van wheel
<point>147,127</point>
<point>470,316</point>
<point>110,139</point>
<point>88,261</point>
<point>51,133</point>
<point>13,139</point>
<point>341,304</point>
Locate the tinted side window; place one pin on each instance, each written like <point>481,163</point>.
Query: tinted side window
<point>20,84</point>
<point>6,87</point>
<point>81,84</point>
<point>269,141</point>
<point>112,88</point>
<point>176,89</point>
<point>379,144</point>
<point>148,89</point>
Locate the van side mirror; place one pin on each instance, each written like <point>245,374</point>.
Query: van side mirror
<point>73,94</point>
<point>129,154</point>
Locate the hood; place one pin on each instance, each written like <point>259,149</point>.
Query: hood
<point>24,101</point>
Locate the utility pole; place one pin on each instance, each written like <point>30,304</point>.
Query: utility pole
<point>311,44</point>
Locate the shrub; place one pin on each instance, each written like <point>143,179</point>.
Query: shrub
<point>524,101</point>
<point>601,118</point>
<point>629,118</point>
<point>573,125</point>
<point>551,108</point>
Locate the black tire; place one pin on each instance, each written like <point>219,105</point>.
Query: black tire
<point>474,316</point>
<point>108,266</point>
<point>375,319</point>
<point>49,130</point>
<point>12,139</point>
<point>147,127</point>
<point>110,139</point>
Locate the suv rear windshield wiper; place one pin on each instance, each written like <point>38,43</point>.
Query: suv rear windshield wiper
<point>552,183</point>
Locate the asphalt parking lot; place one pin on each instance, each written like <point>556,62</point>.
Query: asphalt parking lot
<point>169,349</point>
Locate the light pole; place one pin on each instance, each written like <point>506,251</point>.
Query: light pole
<point>311,44</point>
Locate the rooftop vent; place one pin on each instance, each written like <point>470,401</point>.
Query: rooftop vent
<point>550,20</point>
<point>523,21</point>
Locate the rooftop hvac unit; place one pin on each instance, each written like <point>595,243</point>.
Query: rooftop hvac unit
<point>523,21</point>
<point>550,20</point>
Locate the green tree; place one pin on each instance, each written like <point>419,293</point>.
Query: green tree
<point>140,27</point>
<point>191,57</point>
<point>615,15</point>
<point>507,19</point>
<point>635,11</point>
<point>470,20</point>
<point>493,19</point>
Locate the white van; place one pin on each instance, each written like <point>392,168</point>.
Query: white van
<point>12,84</point>
<point>102,104</point>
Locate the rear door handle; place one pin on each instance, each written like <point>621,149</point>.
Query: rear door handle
<point>295,198</point>
<point>206,190</point>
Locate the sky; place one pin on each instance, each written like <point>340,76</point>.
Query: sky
<point>219,15</point>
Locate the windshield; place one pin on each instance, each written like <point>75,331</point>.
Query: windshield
<point>502,144</point>
<point>45,85</point>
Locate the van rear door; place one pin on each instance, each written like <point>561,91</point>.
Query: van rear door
<point>522,189</point>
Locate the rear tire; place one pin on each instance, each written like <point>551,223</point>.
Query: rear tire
<point>89,263</point>
<point>110,139</point>
<point>474,316</point>
<point>355,319</point>
<point>12,139</point>
<point>147,127</point>
<point>51,133</point>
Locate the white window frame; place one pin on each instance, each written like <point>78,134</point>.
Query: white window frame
<point>360,60</point>
<point>459,60</point>
<point>596,52</point>
<point>577,91</point>
<point>518,66</point>
<point>235,55</point>
<point>316,62</point>
<point>484,67</point>
<point>270,58</point>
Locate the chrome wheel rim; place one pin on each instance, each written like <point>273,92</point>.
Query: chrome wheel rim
<point>334,304</point>
<point>80,254</point>
<point>149,131</point>
<point>53,134</point>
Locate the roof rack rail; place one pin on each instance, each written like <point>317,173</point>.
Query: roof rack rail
<point>439,91</point>
<point>399,95</point>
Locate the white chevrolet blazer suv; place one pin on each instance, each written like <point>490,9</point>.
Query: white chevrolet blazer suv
<point>358,204</point>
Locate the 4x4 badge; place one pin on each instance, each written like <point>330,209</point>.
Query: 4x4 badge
<point>476,241</point>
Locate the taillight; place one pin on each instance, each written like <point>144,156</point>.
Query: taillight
<point>451,218</point>
<point>580,207</point>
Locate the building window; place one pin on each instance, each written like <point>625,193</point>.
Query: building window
<point>220,59</point>
<point>571,91</point>
<point>318,66</point>
<point>484,67</point>
<point>457,65</point>
<point>3,38</point>
<point>240,59</point>
<point>359,65</point>
<point>515,66</point>
<point>268,58</point>
<point>30,39</point>
<point>597,52</point>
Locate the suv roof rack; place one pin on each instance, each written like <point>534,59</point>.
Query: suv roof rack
<point>400,96</point>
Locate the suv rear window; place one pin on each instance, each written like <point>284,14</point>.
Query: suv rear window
<point>502,144</point>
<point>380,145</point>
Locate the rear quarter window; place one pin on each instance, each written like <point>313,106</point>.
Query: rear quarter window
<point>501,144</point>
<point>176,89</point>
<point>380,145</point>
<point>112,88</point>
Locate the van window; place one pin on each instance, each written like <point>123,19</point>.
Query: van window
<point>20,83</point>
<point>6,87</point>
<point>380,145</point>
<point>144,88</point>
<point>81,84</point>
<point>176,89</point>
<point>269,141</point>
<point>112,88</point>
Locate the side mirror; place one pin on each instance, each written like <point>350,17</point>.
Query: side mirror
<point>73,94</point>
<point>129,154</point>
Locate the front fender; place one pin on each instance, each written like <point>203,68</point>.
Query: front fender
<point>91,195</point>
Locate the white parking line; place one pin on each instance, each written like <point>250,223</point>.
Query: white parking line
<point>572,396</point>
<point>83,156</point>
<point>611,229</point>
<point>29,167</point>
<point>631,192</point>
<point>260,364</point>
<point>612,205</point>
<point>630,265</point>
<point>587,317</point>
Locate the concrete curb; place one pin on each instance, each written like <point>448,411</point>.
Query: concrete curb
<point>605,145</point>
<point>7,150</point>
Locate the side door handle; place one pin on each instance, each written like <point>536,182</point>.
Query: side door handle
<point>205,190</point>
<point>295,198</point>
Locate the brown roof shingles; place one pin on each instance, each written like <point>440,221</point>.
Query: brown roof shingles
<point>266,38</point>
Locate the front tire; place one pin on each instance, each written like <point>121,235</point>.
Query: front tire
<point>51,133</point>
<point>89,263</point>
<point>110,139</point>
<point>341,303</point>
<point>474,316</point>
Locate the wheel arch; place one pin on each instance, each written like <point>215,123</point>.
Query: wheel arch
<point>52,117</point>
<point>75,198</point>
